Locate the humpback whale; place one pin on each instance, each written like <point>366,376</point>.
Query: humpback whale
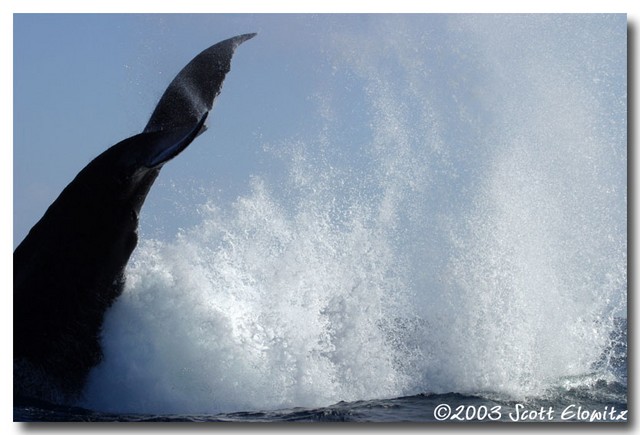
<point>70,267</point>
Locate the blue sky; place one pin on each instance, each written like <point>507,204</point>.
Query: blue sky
<point>105,76</point>
<point>107,72</point>
<point>84,82</point>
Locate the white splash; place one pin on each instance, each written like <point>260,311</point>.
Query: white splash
<point>473,239</point>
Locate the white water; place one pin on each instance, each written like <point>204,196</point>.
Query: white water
<point>456,223</point>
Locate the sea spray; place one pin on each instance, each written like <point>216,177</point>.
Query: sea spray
<point>456,222</point>
<point>258,309</point>
<point>539,265</point>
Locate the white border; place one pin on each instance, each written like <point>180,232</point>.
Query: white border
<point>9,7</point>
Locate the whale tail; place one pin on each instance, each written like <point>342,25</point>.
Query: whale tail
<point>70,267</point>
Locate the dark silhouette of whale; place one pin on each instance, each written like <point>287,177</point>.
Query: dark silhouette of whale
<point>70,267</point>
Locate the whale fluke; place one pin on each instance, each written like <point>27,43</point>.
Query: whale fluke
<point>192,91</point>
<point>70,267</point>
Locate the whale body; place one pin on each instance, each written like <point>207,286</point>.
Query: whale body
<point>70,267</point>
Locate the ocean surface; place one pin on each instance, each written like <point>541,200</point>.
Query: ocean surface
<point>598,397</point>
<point>572,406</point>
<point>440,236</point>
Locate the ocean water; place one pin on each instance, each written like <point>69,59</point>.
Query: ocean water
<point>598,397</point>
<point>447,242</point>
